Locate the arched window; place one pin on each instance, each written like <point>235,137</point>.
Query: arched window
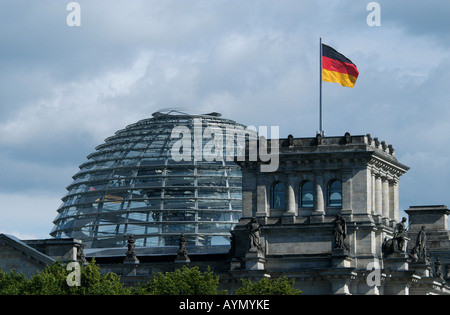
<point>307,195</point>
<point>277,195</point>
<point>335,193</point>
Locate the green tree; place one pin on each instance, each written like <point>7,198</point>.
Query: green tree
<point>52,280</point>
<point>12,283</point>
<point>49,281</point>
<point>94,283</point>
<point>183,281</point>
<point>268,286</point>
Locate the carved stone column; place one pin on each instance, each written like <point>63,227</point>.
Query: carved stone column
<point>378,196</point>
<point>385,202</point>
<point>290,196</point>
<point>319,203</point>
<point>393,200</point>
<point>262,203</point>
<point>347,191</point>
<point>373,192</point>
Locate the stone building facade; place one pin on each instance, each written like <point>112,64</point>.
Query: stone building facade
<point>328,217</point>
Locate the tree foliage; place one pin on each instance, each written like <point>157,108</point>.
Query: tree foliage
<point>268,286</point>
<point>183,281</point>
<point>52,280</point>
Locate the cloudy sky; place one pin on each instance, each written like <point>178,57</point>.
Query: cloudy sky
<point>65,89</point>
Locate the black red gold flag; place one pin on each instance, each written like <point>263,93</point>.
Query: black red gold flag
<point>338,68</point>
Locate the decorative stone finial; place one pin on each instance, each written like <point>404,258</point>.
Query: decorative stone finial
<point>131,252</point>
<point>182,254</point>
<point>391,149</point>
<point>347,138</point>
<point>81,256</point>
<point>318,139</point>
<point>377,142</point>
<point>290,141</point>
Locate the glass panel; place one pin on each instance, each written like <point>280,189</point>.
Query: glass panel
<point>335,194</point>
<point>236,204</point>
<point>133,153</point>
<point>100,175</point>
<point>152,160</point>
<point>148,181</point>
<point>213,204</point>
<point>219,240</point>
<point>179,204</point>
<point>178,216</point>
<point>152,241</point>
<point>137,216</point>
<point>179,181</point>
<point>335,199</point>
<point>213,216</point>
<point>278,196</point>
<point>113,206</point>
<point>236,194</point>
<point>210,172</point>
<point>178,228</point>
<point>137,204</point>
<point>307,195</point>
<point>234,182</point>
<point>213,194</point>
<point>178,193</point>
<point>211,181</point>
<point>149,172</point>
<point>188,171</point>
<point>214,227</point>
<point>135,229</point>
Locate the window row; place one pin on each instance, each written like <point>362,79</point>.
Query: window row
<point>306,194</point>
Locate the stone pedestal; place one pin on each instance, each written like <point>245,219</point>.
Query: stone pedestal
<point>399,282</point>
<point>397,261</point>
<point>183,259</point>
<point>130,267</point>
<point>237,264</point>
<point>340,258</point>
<point>421,269</point>
<point>340,280</point>
<point>316,217</point>
<point>254,260</point>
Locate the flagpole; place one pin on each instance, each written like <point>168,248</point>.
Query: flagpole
<point>322,133</point>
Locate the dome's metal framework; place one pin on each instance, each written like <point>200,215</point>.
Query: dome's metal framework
<point>132,185</point>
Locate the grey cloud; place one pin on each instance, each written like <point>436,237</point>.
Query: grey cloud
<point>67,89</point>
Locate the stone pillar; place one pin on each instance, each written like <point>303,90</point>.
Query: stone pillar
<point>248,192</point>
<point>340,280</point>
<point>373,194</point>
<point>393,200</point>
<point>255,260</point>
<point>347,191</point>
<point>319,204</point>
<point>290,196</point>
<point>261,196</point>
<point>385,197</point>
<point>131,262</point>
<point>378,196</point>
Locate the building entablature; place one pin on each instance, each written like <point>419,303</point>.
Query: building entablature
<point>327,153</point>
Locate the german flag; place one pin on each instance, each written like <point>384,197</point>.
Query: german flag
<point>337,68</point>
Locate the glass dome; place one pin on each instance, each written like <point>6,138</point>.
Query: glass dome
<point>136,183</point>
